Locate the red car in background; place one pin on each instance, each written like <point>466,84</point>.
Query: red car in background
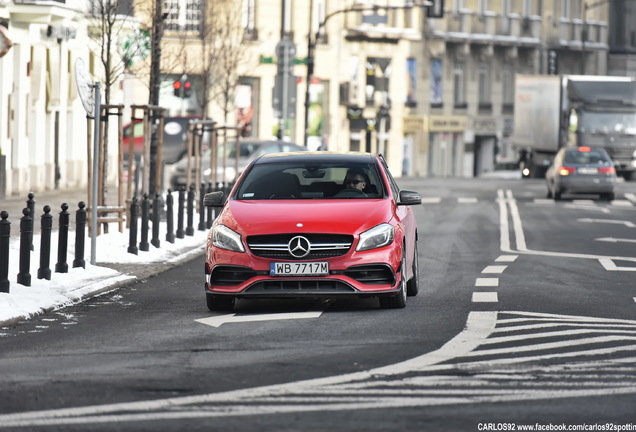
<point>292,228</point>
<point>175,138</point>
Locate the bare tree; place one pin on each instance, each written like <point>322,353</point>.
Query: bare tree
<point>223,53</point>
<point>112,24</point>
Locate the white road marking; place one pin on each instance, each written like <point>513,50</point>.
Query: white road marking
<point>494,269</point>
<point>506,258</point>
<point>608,221</point>
<point>466,200</point>
<point>489,282</point>
<point>630,196</point>
<point>219,320</point>
<point>609,265</point>
<point>505,244</point>
<point>591,364</point>
<point>485,297</point>
<point>431,200</point>
<point>587,207</point>
<point>622,203</point>
<point>615,240</point>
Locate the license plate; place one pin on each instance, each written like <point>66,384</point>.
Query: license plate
<point>299,269</point>
<point>587,170</point>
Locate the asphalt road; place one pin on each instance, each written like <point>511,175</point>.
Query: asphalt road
<point>526,315</point>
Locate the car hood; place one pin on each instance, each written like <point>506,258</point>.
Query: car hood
<point>333,216</point>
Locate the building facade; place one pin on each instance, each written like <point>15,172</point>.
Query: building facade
<point>432,91</point>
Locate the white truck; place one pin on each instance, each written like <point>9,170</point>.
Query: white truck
<point>554,111</point>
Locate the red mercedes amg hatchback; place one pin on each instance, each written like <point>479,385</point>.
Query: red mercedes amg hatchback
<point>313,224</point>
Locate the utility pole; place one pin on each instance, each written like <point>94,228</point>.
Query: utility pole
<point>284,95</point>
<point>155,85</point>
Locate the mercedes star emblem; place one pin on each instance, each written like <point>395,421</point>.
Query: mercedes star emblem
<point>299,247</point>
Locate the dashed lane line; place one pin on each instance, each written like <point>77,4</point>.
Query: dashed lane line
<point>494,269</point>
<point>485,297</point>
<point>487,282</point>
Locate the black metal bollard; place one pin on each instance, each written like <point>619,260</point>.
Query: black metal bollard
<point>170,217</point>
<point>5,234</point>
<point>190,227</point>
<point>26,235</point>
<point>201,208</point>
<point>80,235</point>
<point>62,241</point>
<point>30,202</point>
<point>209,210</point>
<point>145,215</point>
<point>44,272</point>
<point>156,204</point>
<point>132,235</point>
<point>180,210</point>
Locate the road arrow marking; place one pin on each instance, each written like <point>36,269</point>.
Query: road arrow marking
<point>610,221</point>
<point>217,321</point>
<point>615,240</point>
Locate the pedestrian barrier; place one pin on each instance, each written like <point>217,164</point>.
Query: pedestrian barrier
<point>186,207</point>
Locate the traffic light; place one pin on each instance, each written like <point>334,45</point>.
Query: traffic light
<point>177,88</point>
<point>182,89</point>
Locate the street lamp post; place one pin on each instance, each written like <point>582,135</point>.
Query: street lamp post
<point>312,40</point>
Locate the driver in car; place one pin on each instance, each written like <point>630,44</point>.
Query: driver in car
<point>355,179</point>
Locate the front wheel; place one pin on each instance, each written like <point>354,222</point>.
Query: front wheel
<point>413,285</point>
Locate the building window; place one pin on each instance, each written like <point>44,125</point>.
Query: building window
<point>436,99</point>
<point>184,15</point>
<point>484,85</point>
<point>565,9</point>
<point>459,99</point>
<point>508,90</point>
<point>249,19</point>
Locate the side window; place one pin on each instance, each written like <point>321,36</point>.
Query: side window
<point>395,190</point>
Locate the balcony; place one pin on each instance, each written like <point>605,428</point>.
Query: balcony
<point>488,28</point>
<point>383,25</point>
<point>576,33</point>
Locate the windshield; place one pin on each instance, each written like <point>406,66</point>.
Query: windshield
<point>311,181</point>
<point>607,122</point>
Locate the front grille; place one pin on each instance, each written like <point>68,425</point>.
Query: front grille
<point>305,286</point>
<point>322,245</point>
<point>374,274</point>
<point>231,275</point>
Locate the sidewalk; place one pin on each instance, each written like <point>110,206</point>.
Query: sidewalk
<point>114,266</point>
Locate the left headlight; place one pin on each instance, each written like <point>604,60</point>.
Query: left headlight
<point>376,237</point>
<point>225,238</point>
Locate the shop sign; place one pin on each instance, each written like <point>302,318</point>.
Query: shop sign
<point>446,123</point>
<point>61,32</point>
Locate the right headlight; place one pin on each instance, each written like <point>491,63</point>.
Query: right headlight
<point>376,237</point>
<point>225,238</point>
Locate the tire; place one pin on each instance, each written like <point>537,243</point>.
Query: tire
<point>397,301</point>
<point>413,285</point>
<point>218,303</point>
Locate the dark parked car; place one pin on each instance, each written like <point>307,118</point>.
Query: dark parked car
<point>313,224</point>
<point>581,170</point>
<point>249,149</point>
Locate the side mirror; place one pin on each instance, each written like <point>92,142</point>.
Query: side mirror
<point>409,198</point>
<point>213,199</point>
